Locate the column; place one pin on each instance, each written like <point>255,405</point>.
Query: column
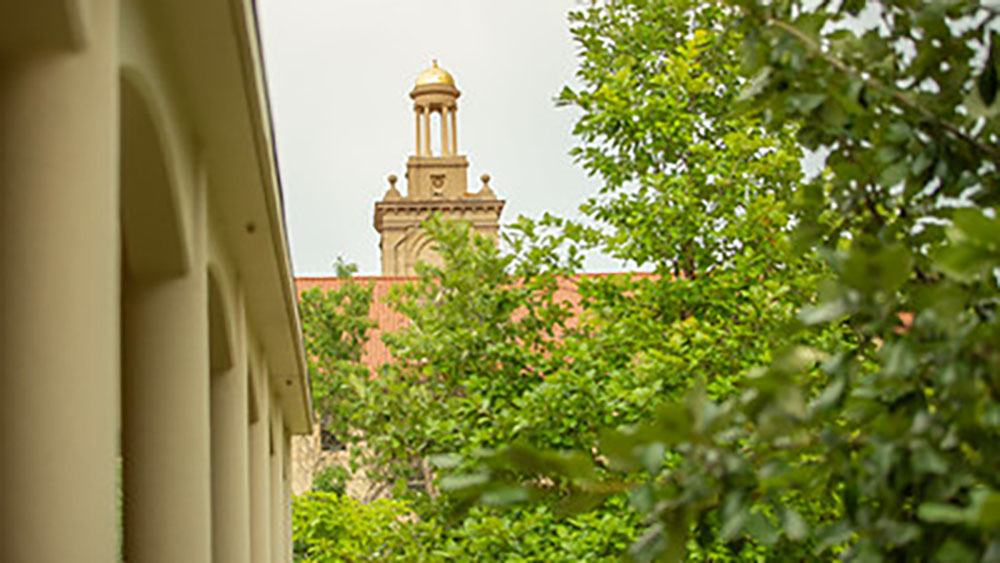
<point>260,473</point>
<point>230,454</point>
<point>59,308</point>
<point>276,487</point>
<point>454,130</point>
<point>427,131</point>
<point>445,148</point>
<point>416,114</point>
<point>166,420</point>
<point>287,496</point>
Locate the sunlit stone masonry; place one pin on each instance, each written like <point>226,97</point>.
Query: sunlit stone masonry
<point>436,178</point>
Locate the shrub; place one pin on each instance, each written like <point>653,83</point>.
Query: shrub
<point>331,480</point>
<point>332,527</point>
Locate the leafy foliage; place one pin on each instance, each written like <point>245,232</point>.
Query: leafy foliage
<point>481,338</point>
<point>879,443</point>
<point>331,479</point>
<point>809,371</point>
<point>687,189</point>
<point>495,353</point>
<point>913,182</point>
<point>476,343</point>
<point>537,534</point>
<point>335,326</point>
<point>344,269</point>
<point>331,527</point>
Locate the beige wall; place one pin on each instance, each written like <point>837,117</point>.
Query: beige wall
<point>147,310</point>
<point>403,243</point>
<point>309,458</point>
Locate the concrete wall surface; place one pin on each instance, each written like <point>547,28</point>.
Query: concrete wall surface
<point>151,367</point>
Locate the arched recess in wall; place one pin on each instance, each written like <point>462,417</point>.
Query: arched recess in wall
<point>154,332</point>
<point>424,250</point>
<point>152,230</point>
<point>399,255</point>
<point>220,345</point>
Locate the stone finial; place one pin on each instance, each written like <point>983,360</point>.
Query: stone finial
<point>485,191</point>
<point>392,193</point>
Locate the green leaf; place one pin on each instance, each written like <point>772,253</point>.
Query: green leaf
<point>940,513</point>
<point>806,102</point>
<point>755,85</point>
<point>566,96</point>
<point>989,510</point>
<point>966,262</point>
<point>833,115</point>
<point>758,526</point>
<point>975,226</point>
<point>652,457</point>
<point>894,174</point>
<point>830,396</point>
<point>620,448</point>
<point>898,132</point>
<point>831,535</point>
<point>733,525</point>
<point>824,312</point>
<point>463,481</point>
<point>876,268</point>
<point>796,527</point>
<point>651,543</point>
<point>954,551</point>
<point>445,461</point>
<point>504,496</point>
<point>579,502</point>
<point>926,460</point>
<point>987,83</point>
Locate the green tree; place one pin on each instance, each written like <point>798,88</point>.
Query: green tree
<point>491,356</point>
<point>702,197</point>
<point>335,326</point>
<point>482,338</point>
<point>811,370</point>
<point>906,110</point>
<point>479,336</point>
<point>696,194</point>
<point>344,269</point>
<point>896,423</point>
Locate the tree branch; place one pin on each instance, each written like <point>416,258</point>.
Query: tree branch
<point>896,95</point>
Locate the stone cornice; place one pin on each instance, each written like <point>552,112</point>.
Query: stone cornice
<point>404,207</point>
<point>450,161</point>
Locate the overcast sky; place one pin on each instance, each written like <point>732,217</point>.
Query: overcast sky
<point>339,74</point>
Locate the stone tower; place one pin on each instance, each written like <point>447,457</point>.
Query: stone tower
<point>436,181</point>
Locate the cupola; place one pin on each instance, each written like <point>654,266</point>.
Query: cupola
<point>435,92</point>
<point>435,75</point>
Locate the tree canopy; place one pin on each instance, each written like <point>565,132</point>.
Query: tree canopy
<point>809,370</point>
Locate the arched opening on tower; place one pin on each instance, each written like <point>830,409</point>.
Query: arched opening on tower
<point>435,132</point>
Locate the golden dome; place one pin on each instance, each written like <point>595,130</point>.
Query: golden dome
<point>435,75</point>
